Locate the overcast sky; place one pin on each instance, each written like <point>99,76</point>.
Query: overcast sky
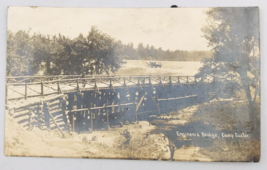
<point>169,28</point>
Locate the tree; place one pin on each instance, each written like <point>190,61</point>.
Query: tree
<point>233,34</point>
<point>103,56</point>
<point>19,54</point>
<point>43,53</point>
<point>96,53</point>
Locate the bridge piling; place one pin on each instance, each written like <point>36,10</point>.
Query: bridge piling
<point>107,98</point>
<point>158,105</point>
<point>107,112</point>
<point>73,121</point>
<point>42,89</point>
<point>92,120</point>
<point>58,87</point>
<point>26,90</point>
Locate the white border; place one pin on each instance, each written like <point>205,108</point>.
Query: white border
<point>26,163</point>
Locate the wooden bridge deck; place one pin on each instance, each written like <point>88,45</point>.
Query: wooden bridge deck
<point>37,86</point>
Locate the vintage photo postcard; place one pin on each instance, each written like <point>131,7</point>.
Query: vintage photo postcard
<point>175,84</point>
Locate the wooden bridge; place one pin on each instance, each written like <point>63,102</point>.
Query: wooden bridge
<point>38,86</point>
<point>99,102</point>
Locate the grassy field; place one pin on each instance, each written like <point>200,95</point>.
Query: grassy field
<point>139,67</point>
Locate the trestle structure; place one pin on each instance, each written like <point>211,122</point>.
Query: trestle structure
<point>77,104</point>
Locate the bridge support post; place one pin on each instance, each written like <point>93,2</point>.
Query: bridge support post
<point>177,105</point>
<point>107,112</point>
<point>168,105</point>
<point>184,90</point>
<point>46,115</point>
<point>26,91</point>
<point>73,121</point>
<point>170,80</point>
<point>83,113</point>
<point>90,98</point>
<point>65,112</point>
<point>109,97</point>
<point>136,118</point>
<point>158,104</point>
<point>79,114</point>
<point>42,88</point>
<point>41,116</point>
<point>124,82</point>
<point>58,87</point>
<point>74,107</point>
<point>92,120</point>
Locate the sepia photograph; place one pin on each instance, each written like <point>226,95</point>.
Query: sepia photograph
<point>170,84</point>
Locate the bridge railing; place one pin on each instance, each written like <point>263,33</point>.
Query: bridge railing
<point>31,79</point>
<point>60,84</point>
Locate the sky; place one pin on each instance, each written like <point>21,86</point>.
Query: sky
<point>168,28</point>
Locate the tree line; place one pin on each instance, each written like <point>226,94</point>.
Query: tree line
<point>94,53</point>
<point>147,52</point>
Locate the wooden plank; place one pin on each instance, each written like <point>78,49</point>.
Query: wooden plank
<point>140,102</point>
<point>56,111</point>
<point>55,102</point>
<point>103,107</point>
<point>22,118</point>
<point>126,104</point>
<point>56,124</point>
<point>53,98</point>
<point>177,98</point>
<point>58,116</point>
<point>25,106</point>
<point>54,107</point>
<point>16,113</point>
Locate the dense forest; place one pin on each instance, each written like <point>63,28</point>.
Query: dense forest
<point>146,52</point>
<point>95,53</point>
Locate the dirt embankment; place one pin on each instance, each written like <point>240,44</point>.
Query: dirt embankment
<point>144,142</point>
<point>99,144</point>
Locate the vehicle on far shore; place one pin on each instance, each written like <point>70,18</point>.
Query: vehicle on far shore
<point>123,62</point>
<point>153,64</point>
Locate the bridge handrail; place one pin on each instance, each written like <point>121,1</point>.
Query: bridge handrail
<point>93,82</point>
<point>86,78</point>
